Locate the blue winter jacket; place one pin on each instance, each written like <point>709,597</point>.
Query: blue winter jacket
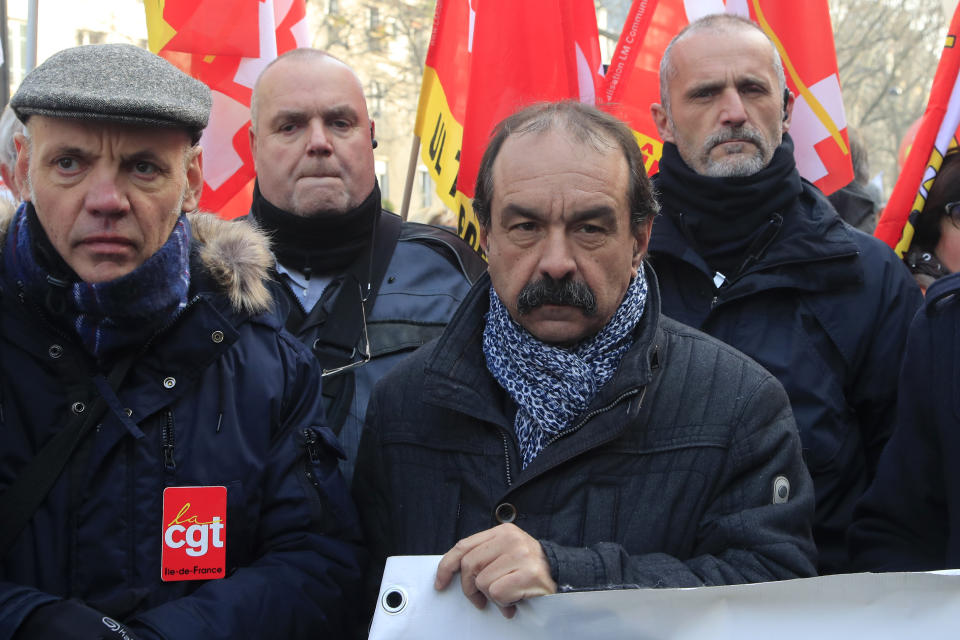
<point>429,274</point>
<point>220,397</point>
<point>909,520</point>
<point>826,310</point>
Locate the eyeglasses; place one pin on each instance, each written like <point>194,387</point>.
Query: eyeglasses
<point>364,352</point>
<point>953,212</point>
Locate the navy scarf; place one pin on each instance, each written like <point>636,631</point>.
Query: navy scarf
<point>107,316</point>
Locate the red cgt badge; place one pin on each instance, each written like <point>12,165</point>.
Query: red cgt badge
<point>194,533</point>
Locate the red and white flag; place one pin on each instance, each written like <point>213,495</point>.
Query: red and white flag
<point>803,37</point>
<point>487,60</point>
<point>226,44</point>
<point>937,133</point>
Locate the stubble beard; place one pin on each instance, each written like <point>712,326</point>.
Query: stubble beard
<point>313,205</point>
<point>732,165</point>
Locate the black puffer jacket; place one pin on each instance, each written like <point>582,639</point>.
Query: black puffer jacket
<point>825,310</point>
<point>667,480</point>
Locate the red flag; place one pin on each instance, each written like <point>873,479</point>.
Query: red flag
<point>227,55</point>
<point>487,60</point>
<point>937,133</point>
<point>803,37</point>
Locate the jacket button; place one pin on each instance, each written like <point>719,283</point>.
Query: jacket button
<point>781,490</point>
<point>55,351</point>
<point>217,336</point>
<point>128,411</point>
<point>78,407</point>
<point>505,513</point>
<point>169,382</point>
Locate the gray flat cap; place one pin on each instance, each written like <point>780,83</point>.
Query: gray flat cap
<point>114,83</point>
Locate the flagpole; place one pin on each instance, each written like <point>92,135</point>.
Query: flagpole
<point>31,35</point>
<point>5,50</point>
<point>411,170</point>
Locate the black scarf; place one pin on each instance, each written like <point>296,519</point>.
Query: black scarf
<point>320,244</point>
<point>724,217</point>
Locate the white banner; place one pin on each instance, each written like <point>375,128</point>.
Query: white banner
<point>861,605</point>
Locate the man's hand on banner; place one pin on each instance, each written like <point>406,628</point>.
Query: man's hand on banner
<point>503,564</point>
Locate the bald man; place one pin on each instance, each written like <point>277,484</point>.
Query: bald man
<point>358,286</point>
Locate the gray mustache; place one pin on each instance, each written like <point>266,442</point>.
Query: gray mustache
<point>734,133</point>
<point>561,292</point>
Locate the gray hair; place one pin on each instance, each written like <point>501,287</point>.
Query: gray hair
<point>585,124</point>
<point>10,125</point>
<point>718,22</point>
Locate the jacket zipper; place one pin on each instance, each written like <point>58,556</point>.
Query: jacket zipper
<point>716,301</point>
<point>30,304</point>
<point>313,455</point>
<point>310,443</point>
<point>167,441</point>
<point>172,321</point>
<point>632,392</point>
<point>21,295</point>
<point>506,457</point>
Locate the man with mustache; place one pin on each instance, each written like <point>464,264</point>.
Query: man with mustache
<point>561,434</point>
<point>352,282</point>
<point>752,254</point>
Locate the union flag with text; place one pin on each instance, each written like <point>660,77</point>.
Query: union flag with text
<point>487,59</point>
<point>937,135</point>
<point>226,44</point>
<point>803,36</point>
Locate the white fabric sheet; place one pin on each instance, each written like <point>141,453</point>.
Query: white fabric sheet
<point>863,605</point>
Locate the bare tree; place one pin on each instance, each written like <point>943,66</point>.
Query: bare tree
<point>887,52</point>
<point>385,41</point>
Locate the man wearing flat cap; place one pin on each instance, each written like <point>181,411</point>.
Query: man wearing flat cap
<point>165,471</point>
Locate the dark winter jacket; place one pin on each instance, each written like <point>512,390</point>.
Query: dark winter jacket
<point>430,272</point>
<point>909,520</point>
<point>219,397</point>
<point>670,478</point>
<point>826,310</point>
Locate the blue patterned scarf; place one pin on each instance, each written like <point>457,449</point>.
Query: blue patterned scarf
<point>552,385</point>
<point>107,316</point>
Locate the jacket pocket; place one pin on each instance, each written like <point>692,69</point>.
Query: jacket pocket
<point>416,468</point>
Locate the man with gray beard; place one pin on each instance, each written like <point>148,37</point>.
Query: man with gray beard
<point>749,252</point>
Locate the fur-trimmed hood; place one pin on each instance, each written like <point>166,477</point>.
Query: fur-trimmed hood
<point>237,257</point>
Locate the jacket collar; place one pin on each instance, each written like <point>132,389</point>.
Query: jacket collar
<point>813,251</point>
